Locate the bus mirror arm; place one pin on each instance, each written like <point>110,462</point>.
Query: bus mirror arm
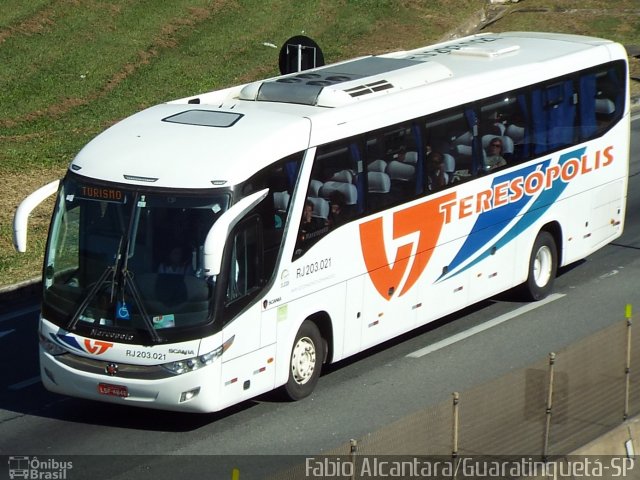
<point>21,218</point>
<point>217,236</point>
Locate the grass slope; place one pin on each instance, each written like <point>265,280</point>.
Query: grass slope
<point>71,68</point>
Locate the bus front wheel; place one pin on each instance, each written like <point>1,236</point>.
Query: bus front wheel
<point>305,362</point>
<point>543,266</point>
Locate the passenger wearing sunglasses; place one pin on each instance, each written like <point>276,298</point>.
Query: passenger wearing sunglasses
<point>494,155</point>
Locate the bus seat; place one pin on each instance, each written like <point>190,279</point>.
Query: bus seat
<point>401,171</point>
<point>449,165</point>
<point>515,132</point>
<point>411,157</point>
<point>465,139</point>
<point>314,187</point>
<point>348,191</point>
<point>379,182</point>
<point>464,158</point>
<point>281,200</point>
<point>377,166</point>
<point>464,150</point>
<point>604,106</point>
<point>507,145</point>
<point>486,139</point>
<point>320,207</point>
<point>342,176</point>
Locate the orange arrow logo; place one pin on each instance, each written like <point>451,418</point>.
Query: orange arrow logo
<point>386,274</point>
<point>97,347</point>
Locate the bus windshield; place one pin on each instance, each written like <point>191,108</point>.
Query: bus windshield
<point>129,260</point>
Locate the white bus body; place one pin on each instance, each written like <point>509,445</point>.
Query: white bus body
<point>179,274</point>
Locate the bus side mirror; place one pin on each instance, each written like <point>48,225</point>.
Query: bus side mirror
<point>217,236</point>
<point>21,218</point>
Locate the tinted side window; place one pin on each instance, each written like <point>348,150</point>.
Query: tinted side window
<point>609,95</point>
<point>334,194</point>
<point>543,118</point>
<point>280,178</point>
<point>244,266</point>
<point>452,146</point>
<point>502,129</point>
<point>394,165</point>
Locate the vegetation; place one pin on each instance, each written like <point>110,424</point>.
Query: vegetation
<point>71,68</point>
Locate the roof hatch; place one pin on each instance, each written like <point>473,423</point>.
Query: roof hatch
<point>205,118</point>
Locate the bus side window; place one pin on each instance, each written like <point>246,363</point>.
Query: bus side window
<point>501,117</point>
<point>394,159</point>
<point>404,161</point>
<point>448,137</point>
<point>244,267</point>
<point>280,178</point>
<point>333,194</point>
<point>609,96</point>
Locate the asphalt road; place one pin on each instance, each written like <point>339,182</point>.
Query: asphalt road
<point>353,398</point>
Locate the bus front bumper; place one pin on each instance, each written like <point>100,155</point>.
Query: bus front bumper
<point>190,392</point>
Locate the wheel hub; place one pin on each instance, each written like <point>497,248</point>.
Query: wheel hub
<point>303,360</point>
<point>542,266</point>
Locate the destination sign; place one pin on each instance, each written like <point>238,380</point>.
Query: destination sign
<point>101,193</point>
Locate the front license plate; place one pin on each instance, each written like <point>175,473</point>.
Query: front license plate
<point>113,390</point>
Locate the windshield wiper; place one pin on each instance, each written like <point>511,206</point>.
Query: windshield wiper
<point>127,278</point>
<point>111,269</point>
<point>135,293</point>
<point>115,270</point>
<point>92,293</point>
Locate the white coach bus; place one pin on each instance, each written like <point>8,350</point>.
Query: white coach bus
<point>209,249</point>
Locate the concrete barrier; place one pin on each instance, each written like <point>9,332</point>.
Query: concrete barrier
<point>26,290</point>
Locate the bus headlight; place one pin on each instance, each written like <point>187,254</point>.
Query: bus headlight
<point>50,347</point>
<point>194,363</point>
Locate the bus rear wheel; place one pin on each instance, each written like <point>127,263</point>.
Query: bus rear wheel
<point>543,266</point>
<point>305,362</point>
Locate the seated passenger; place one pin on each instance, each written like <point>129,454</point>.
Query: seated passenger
<point>436,171</point>
<point>311,226</point>
<point>494,157</point>
<point>176,263</point>
<point>336,213</point>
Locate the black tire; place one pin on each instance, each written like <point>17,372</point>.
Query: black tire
<point>543,267</point>
<point>305,362</point>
